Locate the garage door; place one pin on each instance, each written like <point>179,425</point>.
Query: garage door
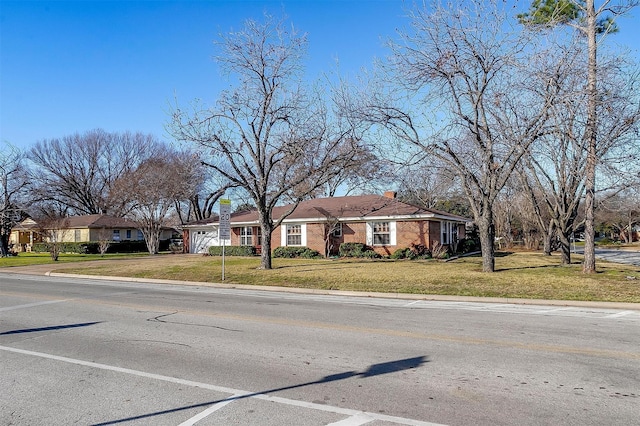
<point>202,240</point>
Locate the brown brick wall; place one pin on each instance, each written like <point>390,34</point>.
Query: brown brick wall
<point>407,233</point>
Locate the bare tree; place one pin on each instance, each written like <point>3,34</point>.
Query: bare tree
<point>208,189</point>
<point>427,186</point>
<point>464,92</point>
<point>54,231</point>
<point>79,171</point>
<point>13,182</point>
<point>104,240</point>
<point>589,21</point>
<point>153,188</point>
<point>269,135</point>
<point>621,212</point>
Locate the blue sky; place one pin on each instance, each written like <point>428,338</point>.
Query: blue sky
<point>72,66</point>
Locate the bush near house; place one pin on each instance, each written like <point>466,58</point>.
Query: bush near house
<point>296,252</point>
<point>416,251</point>
<point>233,251</point>
<point>357,250</point>
<point>93,247</point>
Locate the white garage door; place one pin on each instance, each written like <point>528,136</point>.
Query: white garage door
<point>202,240</point>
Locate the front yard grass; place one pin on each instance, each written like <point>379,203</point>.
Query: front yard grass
<point>28,259</point>
<point>518,275</point>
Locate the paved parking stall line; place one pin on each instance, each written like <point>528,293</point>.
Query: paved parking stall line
<point>215,407</point>
<point>236,394</point>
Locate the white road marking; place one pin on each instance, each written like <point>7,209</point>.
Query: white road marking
<point>357,420</point>
<point>236,393</point>
<point>215,407</point>
<point>619,314</point>
<point>31,305</point>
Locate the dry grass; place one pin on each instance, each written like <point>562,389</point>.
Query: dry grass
<point>518,275</point>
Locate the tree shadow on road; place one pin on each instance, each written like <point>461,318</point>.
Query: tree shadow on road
<point>371,371</point>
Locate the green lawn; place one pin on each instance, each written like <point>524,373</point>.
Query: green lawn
<point>27,259</point>
<point>518,275</point>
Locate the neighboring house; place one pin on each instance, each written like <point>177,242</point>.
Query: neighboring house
<point>24,235</point>
<point>94,227</point>
<point>382,222</point>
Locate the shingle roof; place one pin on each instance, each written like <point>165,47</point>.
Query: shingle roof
<point>347,208</point>
<point>99,221</point>
<point>88,221</point>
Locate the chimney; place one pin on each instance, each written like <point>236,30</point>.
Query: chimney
<point>390,194</point>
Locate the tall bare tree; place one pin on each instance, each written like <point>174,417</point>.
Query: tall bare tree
<point>590,22</point>
<point>13,182</point>
<point>269,134</point>
<point>78,171</point>
<point>464,93</point>
<point>554,168</point>
<point>153,188</point>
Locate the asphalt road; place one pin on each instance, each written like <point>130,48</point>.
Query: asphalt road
<point>76,351</point>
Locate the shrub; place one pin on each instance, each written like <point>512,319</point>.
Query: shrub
<point>440,251</point>
<point>416,251</point>
<point>467,245</point>
<point>233,251</point>
<point>93,247</point>
<point>402,253</point>
<point>352,249</point>
<point>295,252</point>
<point>129,247</point>
<point>370,254</point>
<point>606,241</point>
<point>419,251</point>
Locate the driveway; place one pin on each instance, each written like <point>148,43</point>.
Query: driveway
<point>629,257</point>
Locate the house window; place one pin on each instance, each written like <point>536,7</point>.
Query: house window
<point>116,235</point>
<point>449,234</point>
<point>337,230</point>
<point>77,235</point>
<point>381,234</point>
<point>259,232</point>
<point>246,236</point>
<point>128,234</point>
<point>294,235</point>
<point>140,235</point>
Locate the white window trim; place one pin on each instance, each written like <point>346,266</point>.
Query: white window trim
<point>392,233</point>
<point>244,235</point>
<point>283,235</point>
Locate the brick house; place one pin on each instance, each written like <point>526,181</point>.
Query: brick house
<point>382,222</point>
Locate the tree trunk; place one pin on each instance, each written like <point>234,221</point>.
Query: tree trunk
<point>487,241</point>
<point>152,238</point>
<point>565,248</point>
<point>589,265</point>
<point>548,237</point>
<point>4,245</point>
<point>265,256</point>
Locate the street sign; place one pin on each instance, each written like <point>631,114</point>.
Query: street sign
<point>225,218</point>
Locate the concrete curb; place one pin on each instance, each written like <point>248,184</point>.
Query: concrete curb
<point>402,296</point>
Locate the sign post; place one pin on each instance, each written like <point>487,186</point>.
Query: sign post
<point>224,230</point>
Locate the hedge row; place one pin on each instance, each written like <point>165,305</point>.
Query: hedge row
<point>93,247</point>
<point>357,250</point>
<point>296,252</point>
